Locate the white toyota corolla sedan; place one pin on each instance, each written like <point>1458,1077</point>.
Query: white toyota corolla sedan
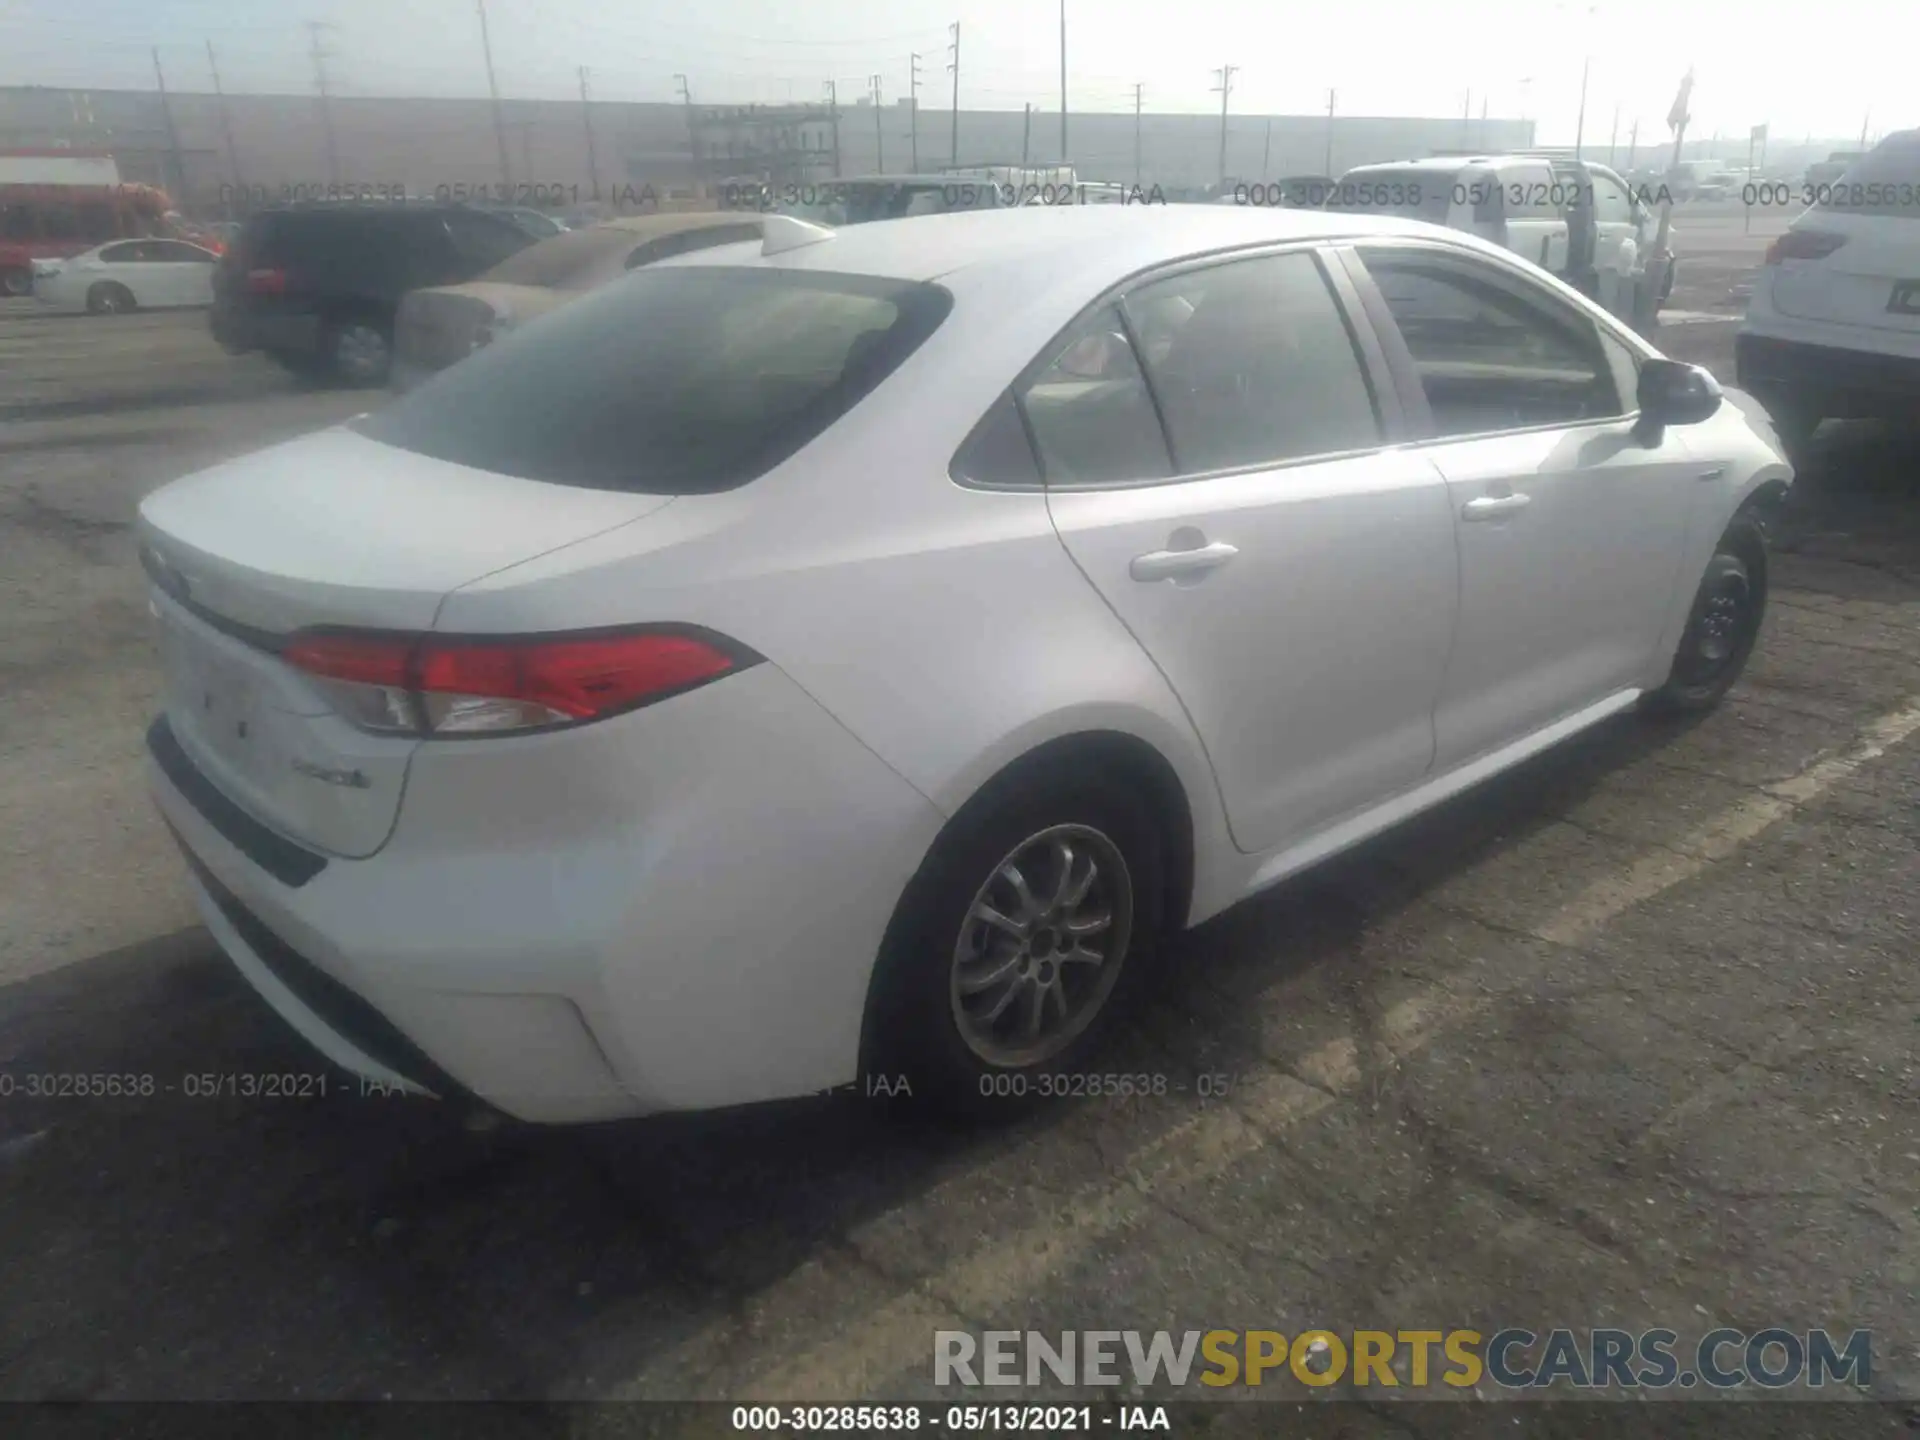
<point>848,655</point>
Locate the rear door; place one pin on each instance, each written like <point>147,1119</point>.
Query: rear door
<point>183,272</point>
<point>1290,572</point>
<point>1570,529</point>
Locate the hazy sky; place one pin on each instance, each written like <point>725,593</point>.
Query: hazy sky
<point>1383,57</point>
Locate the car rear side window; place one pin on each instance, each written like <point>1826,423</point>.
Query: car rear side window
<point>1253,364</point>
<point>676,381</point>
<point>1090,412</point>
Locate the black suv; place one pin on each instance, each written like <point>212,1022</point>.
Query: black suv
<point>316,286</point>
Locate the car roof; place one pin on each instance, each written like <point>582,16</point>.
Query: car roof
<point>1110,240</point>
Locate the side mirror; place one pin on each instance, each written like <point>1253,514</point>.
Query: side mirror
<point>1673,393</point>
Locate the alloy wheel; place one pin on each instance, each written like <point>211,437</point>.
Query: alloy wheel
<point>360,352</point>
<point>1042,946</point>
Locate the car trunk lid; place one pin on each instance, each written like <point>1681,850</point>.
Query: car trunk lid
<point>1872,279</point>
<point>327,531</point>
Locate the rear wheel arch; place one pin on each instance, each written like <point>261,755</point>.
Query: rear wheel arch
<point>1138,780</point>
<point>1117,758</point>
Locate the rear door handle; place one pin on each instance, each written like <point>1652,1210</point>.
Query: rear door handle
<point>1492,507</point>
<point>1170,564</point>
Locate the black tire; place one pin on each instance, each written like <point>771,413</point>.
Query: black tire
<point>915,1053</point>
<point>107,298</point>
<point>15,282</point>
<point>1722,625</point>
<point>358,350</point>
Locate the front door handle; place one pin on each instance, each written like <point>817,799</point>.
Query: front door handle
<point>1171,564</point>
<point>1492,507</point>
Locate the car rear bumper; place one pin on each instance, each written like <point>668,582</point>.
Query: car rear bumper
<point>571,928</point>
<point>1836,383</point>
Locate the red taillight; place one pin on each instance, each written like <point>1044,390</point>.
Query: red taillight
<point>448,685</point>
<point>357,659</point>
<point>1803,245</point>
<point>267,282</point>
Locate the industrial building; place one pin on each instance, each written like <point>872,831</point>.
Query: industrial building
<point>202,147</point>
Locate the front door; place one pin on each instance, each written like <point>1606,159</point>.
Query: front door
<point>1294,580</point>
<point>1571,530</point>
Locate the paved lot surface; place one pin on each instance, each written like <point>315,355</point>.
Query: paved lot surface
<point>1628,1040</point>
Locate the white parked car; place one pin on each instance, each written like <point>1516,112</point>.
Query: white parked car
<point>1832,330</point>
<point>850,654</point>
<point>127,275</point>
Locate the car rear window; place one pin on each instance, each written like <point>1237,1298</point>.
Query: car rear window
<point>1885,181</point>
<point>680,381</point>
<point>1411,194</point>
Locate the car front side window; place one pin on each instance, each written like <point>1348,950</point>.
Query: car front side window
<point>1491,357</point>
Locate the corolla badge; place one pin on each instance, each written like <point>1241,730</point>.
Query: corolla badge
<point>352,779</point>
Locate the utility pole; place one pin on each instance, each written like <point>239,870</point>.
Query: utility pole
<point>953,143</point>
<point>1225,87</point>
<point>833,118</point>
<point>493,90</point>
<point>1633,142</point>
<point>1580,125</point>
<point>1063,82</point>
<point>693,133</point>
<point>879,141</point>
<point>314,27</point>
<point>1613,135</point>
<point>1026,132</point>
<point>1139,97</point>
<point>1327,168</point>
<point>1266,151</point>
<point>913,109</point>
<point>1466,120</point>
<point>226,120</point>
<point>1865,121</point>
<point>586,119</point>
<point>173,135</point>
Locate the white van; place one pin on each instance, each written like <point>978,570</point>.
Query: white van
<point>1574,219</point>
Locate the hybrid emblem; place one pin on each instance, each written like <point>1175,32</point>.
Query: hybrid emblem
<point>351,779</point>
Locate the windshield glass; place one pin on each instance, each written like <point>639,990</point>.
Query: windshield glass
<point>678,381</point>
